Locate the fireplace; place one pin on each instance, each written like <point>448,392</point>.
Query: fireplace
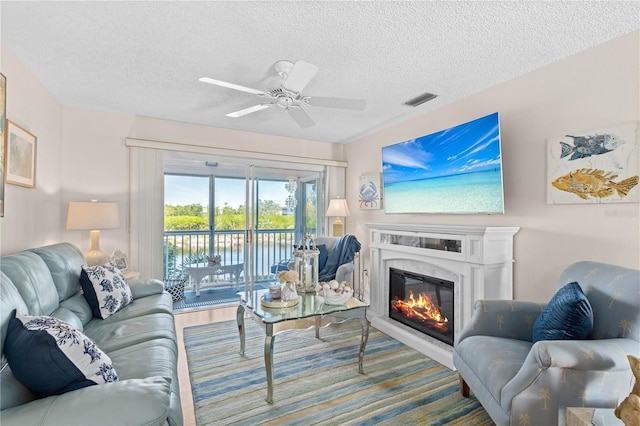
<point>423,303</point>
<point>461,263</point>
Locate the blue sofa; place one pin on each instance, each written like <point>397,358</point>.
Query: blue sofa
<point>140,339</point>
<point>520,382</point>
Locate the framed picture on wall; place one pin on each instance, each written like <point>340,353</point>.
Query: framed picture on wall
<point>370,192</point>
<point>3,117</point>
<point>20,151</point>
<point>594,166</point>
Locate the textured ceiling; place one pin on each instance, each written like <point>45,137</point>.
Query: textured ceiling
<point>145,58</point>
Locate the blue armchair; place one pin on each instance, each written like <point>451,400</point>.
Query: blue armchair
<point>520,382</point>
<point>342,260</point>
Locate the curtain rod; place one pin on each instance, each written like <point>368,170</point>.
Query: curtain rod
<point>232,153</point>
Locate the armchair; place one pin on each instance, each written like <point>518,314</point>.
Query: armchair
<point>343,258</point>
<point>341,254</point>
<point>520,382</point>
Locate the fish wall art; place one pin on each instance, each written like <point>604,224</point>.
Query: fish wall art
<point>594,166</point>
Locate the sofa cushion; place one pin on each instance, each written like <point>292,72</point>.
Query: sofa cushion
<point>31,276</point>
<point>493,360</point>
<point>567,316</point>
<point>51,357</point>
<point>64,260</point>
<point>68,316</point>
<point>131,402</point>
<point>10,299</point>
<point>78,305</point>
<point>139,308</point>
<point>105,289</point>
<point>111,335</point>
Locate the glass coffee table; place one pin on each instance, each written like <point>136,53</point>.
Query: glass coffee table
<point>309,312</point>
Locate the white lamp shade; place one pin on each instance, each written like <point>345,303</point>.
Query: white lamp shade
<point>338,208</point>
<point>93,215</point>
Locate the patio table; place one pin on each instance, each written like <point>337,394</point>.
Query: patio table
<point>198,271</point>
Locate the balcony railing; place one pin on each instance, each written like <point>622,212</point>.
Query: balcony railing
<point>184,248</point>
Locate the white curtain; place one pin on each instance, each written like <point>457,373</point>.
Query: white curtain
<point>146,204</point>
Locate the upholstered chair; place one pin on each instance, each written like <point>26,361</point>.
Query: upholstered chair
<point>344,272</point>
<point>344,260</point>
<point>520,382</point>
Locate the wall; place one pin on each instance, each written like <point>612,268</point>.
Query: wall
<point>590,90</point>
<point>32,216</point>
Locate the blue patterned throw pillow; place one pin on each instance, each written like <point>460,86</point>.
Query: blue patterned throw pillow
<point>105,289</point>
<point>567,316</point>
<point>50,357</point>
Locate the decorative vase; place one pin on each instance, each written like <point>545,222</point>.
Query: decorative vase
<point>289,291</point>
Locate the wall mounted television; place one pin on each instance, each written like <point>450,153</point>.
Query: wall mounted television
<point>453,171</point>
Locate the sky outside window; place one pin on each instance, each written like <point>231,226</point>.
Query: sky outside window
<point>185,190</point>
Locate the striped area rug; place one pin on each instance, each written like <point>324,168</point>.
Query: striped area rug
<point>211,297</point>
<point>316,381</point>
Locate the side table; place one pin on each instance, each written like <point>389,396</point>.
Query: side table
<point>585,416</point>
<point>131,275</point>
<point>579,416</point>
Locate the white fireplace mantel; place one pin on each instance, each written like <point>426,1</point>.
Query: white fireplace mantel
<point>478,259</point>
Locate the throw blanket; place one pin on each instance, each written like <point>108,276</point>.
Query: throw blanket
<point>343,252</point>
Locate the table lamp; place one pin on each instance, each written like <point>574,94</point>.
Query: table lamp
<point>338,208</point>
<point>93,216</point>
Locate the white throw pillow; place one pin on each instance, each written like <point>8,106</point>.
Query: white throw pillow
<point>105,289</point>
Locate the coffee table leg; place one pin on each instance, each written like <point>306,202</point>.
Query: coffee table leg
<point>240,320</point>
<point>268,361</point>
<point>363,343</point>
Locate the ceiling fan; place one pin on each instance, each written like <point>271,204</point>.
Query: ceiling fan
<point>295,77</point>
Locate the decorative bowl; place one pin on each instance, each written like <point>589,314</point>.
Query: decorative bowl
<point>331,294</point>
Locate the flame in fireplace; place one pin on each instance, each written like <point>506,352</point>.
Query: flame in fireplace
<point>422,310</point>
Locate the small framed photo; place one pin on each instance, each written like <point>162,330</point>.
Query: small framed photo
<point>120,260</point>
<point>20,151</point>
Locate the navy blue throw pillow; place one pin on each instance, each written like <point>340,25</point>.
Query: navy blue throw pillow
<point>50,357</point>
<point>567,316</point>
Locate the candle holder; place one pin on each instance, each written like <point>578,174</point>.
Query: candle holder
<point>306,257</point>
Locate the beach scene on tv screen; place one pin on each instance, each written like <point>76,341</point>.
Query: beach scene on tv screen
<point>457,170</point>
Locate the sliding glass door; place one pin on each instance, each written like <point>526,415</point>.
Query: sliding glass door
<point>253,219</point>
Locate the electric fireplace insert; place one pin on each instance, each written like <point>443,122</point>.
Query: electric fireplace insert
<point>423,303</point>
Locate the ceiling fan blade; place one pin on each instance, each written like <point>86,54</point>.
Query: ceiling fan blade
<point>230,85</point>
<point>300,75</point>
<point>249,110</point>
<point>301,117</point>
<point>357,104</point>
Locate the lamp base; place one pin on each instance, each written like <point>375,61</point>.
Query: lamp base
<point>338,228</point>
<point>94,256</point>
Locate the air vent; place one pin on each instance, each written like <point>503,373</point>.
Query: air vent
<point>419,100</point>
